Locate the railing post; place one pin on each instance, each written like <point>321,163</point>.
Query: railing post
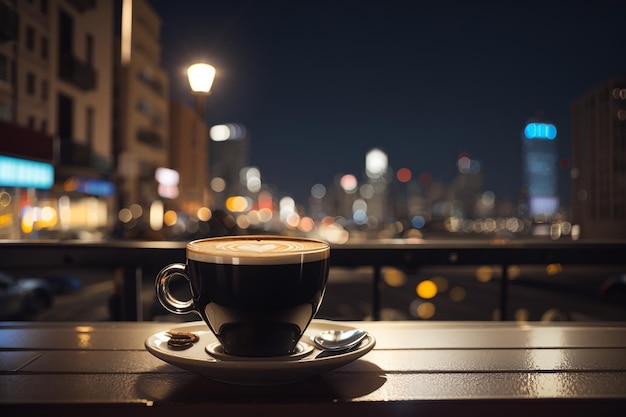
<point>376,292</point>
<point>131,307</point>
<point>504,293</point>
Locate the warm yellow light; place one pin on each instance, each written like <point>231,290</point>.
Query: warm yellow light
<point>426,310</point>
<point>6,220</point>
<point>394,277</point>
<point>201,77</point>
<point>170,218</point>
<point>156,215</point>
<point>204,214</point>
<point>484,273</point>
<point>236,204</point>
<point>127,30</point>
<point>426,289</point>
<point>27,220</point>
<point>553,269</point>
<point>71,184</point>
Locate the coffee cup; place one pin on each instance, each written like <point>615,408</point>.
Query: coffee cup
<point>257,293</point>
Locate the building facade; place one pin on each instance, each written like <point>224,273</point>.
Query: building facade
<point>189,157</point>
<point>599,161</point>
<point>142,141</point>
<point>56,83</point>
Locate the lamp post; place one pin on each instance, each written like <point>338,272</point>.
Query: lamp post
<point>200,76</point>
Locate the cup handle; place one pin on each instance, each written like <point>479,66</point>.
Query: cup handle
<point>167,300</point>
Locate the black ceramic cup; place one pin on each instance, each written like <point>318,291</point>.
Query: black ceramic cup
<point>257,294</point>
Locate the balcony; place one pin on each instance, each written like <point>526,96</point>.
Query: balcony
<point>78,73</point>
<point>150,138</point>
<point>154,84</point>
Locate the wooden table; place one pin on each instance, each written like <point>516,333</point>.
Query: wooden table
<point>416,368</point>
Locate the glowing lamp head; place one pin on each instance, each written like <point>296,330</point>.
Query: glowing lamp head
<point>201,77</point>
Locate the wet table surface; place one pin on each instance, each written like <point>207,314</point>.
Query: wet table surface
<point>415,368</point>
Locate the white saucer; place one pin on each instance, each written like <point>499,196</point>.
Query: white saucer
<point>253,371</point>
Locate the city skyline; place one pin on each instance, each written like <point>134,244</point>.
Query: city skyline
<point>319,86</point>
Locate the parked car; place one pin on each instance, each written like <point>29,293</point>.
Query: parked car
<point>23,298</point>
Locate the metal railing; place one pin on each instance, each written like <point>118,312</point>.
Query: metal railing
<point>133,257</point>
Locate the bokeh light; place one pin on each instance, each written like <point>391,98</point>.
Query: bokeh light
<point>218,184</point>
<point>514,271</point>
<point>375,163</point>
<point>457,294</point>
<point>349,183</point>
<point>426,289</point>
<point>484,273</point>
<point>553,269</point>
<point>237,204</point>
<point>306,224</point>
<point>204,214</point>
<point>404,175</point>
<point>522,315</point>
<point>125,215</point>
<point>265,215</point>
<point>423,310</point>
<point>136,210</point>
<point>394,277</point>
<point>318,191</point>
<point>441,283</point>
<point>366,191</point>
<point>156,215</point>
<point>170,218</point>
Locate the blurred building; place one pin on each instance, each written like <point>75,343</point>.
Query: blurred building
<point>539,164</point>
<point>189,156</point>
<point>55,112</point>
<point>379,177</point>
<point>467,187</point>
<point>142,141</point>
<point>230,156</point>
<point>599,160</point>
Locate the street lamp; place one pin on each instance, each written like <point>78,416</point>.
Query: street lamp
<point>201,78</point>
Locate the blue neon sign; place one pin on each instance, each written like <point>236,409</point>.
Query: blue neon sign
<point>96,187</point>
<point>540,131</point>
<point>15,172</point>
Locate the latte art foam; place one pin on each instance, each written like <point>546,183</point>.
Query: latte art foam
<point>261,247</point>
<point>257,250</point>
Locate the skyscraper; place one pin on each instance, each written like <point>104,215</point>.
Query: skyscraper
<point>539,164</point>
<point>599,160</point>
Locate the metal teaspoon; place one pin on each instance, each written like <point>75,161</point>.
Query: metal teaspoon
<point>339,340</point>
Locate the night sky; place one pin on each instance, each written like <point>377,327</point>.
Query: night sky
<point>319,83</point>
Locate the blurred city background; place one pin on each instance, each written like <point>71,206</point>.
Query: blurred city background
<point>101,138</point>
